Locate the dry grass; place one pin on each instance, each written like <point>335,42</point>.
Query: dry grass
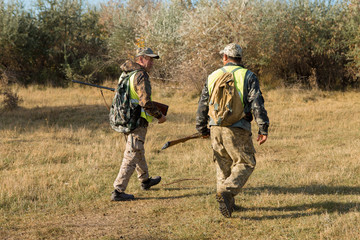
<point>59,158</point>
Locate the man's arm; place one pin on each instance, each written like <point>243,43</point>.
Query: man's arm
<point>202,117</point>
<point>143,89</point>
<point>256,102</point>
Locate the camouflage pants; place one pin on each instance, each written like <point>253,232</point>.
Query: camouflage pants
<point>234,155</point>
<point>134,159</point>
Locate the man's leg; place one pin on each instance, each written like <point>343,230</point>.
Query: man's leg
<point>239,146</point>
<point>223,171</point>
<point>142,168</point>
<point>133,154</point>
<point>141,165</point>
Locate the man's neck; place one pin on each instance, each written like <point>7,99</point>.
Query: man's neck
<point>141,65</point>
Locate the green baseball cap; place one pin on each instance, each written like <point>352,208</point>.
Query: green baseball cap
<point>146,52</point>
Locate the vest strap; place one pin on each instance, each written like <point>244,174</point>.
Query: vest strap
<point>234,70</point>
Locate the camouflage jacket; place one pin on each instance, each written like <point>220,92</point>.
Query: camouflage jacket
<point>253,106</point>
<point>142,87</point>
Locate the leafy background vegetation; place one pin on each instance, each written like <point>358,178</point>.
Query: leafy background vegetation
<point>313,43</point>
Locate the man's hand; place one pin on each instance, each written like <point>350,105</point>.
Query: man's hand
<point>261,138</point>
<point>162,119</point>
<point>206,133</point>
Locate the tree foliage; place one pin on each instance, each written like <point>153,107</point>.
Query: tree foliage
<point>315,43</point>
<point>57,39</point>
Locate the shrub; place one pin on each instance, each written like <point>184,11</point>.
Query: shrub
<point>10,100</point>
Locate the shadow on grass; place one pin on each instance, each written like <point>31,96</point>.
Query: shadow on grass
<point>77,116</point>
<point>306,209</point>
<point>80,116</point>
<point>309,190</point>
<point>199,194</point>
<point>303,210</point>
<point>181,188</point>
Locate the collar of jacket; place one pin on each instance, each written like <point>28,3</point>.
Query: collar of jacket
<point>231,64</point>
<point>130,66</point>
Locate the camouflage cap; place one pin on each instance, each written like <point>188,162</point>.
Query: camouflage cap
<point>146,52</point>
<point>232,50</point>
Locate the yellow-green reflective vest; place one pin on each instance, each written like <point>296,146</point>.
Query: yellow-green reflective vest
<point>239,79</point>
<point>134,98</point>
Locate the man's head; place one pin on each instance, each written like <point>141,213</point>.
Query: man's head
<point>232,53</point>
<point>145,57</point>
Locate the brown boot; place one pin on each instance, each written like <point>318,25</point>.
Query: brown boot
<point>225,200</point>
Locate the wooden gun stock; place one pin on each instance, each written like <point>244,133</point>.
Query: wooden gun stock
<point>181,140</point>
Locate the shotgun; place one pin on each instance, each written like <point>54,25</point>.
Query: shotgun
<point>181,140</point>
<point>94,85</point>
<point>162,107</point>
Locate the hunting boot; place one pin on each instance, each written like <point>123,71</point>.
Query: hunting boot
<point>150,182</point>
<point>226,202</point>
<point>121,196</point>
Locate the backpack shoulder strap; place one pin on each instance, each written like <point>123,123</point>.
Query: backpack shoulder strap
<point>223,69</point>
<point>126,76</point>
<point>132,73</point>
<point>233,71</point>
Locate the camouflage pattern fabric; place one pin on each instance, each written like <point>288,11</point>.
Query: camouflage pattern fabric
<point>124,115</point>
<point>253,103</point>
<point>234,155</point>
<point>142,87</point>
<point>134,159</point>
<point>232,50</point>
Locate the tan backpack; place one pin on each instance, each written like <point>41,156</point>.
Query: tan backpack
<point>225,106</point>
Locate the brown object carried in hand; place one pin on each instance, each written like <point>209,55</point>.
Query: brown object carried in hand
<point>162,107</point>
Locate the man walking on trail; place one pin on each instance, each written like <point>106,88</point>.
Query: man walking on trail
<point>134,154</point>
<point>232,144</point>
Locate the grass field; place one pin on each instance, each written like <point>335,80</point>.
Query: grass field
<point>59,158</point>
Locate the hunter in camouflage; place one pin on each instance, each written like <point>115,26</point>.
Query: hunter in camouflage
<point>143,89</point>
<point>233,149</point>
<point>134,154</point>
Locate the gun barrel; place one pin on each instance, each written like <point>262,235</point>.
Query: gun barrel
<point>94,85</point>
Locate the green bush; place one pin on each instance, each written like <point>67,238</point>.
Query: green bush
<point>312,43</point>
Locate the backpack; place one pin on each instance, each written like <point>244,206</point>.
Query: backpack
<point>225,105</point>
<point>124,115</point>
